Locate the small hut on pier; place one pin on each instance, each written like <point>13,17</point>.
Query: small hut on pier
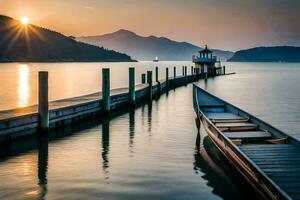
<point>206,62</point>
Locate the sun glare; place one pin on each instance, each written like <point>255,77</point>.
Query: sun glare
<point>24,20</point>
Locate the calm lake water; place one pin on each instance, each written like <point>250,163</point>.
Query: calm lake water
<point>153,152</point>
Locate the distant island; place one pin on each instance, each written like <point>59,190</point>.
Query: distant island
<point>19,43</point>
<point>268,54</point>
<point>147,48</point>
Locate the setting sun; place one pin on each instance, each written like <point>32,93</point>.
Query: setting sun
<point>24,20</point>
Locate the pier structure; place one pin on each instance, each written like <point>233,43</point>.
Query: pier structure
<point>48,115</point>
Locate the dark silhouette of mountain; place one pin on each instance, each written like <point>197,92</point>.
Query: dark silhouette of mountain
<point>268,54</point>
<point>147,48</point>
<point>31,43</point>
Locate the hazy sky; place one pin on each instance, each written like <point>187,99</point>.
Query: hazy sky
<point>226,24</point>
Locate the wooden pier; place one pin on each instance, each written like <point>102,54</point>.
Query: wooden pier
<point>26,121</point>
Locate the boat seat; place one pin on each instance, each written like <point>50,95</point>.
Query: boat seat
<point>224,117</point>
<point>248,135</point>
<point>242,126</point>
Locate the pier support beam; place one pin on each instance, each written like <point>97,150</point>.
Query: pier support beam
<point>143,78</point>
<point>174,72</point>
<point>43,101</point>
<point>224,72</point>
<point>182,70</point>
<point>106,89</point>
<point>132,86</point>
<point>167,77</point>
<point>149,81</point>
<point>185,74</point>
<point>156,74</point>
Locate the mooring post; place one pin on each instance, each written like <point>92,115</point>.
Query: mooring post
<point>185,74</point>
<point>149,81</point>
<point>174,72</point>
<point>143,78</point>
<point>156,74</point>
<point>131,85</point>
<point>167,77</point>
<point>43,101</point>
<point>106,89</point>
<point>224,70</point>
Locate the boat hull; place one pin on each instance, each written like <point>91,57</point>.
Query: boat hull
<point>261,186</point>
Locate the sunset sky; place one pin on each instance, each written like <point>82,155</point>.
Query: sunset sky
<point>225,24</point>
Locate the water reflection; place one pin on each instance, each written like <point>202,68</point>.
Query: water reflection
<point>42,165</point>
<point>105,147</point>
<point>218,172</point>
<point>149,119</point>
<point>131,129</point>
<point>23,85</point>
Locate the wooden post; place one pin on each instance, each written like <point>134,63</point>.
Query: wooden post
<point>167,77</point>
<point>174,71</point>
<point>43,101</point>
<point>224,70</point>
<point>185,74</point>
<point>149,81</point>
<point>156,74</point>
<point>143,78</point>
<point>182,70</point>
<point>192,70</point>
<point>106,89</point>
<point>132,86</point>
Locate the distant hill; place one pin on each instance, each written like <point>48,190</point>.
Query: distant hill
<point>31,43</point>
<point>147,48</point>
<point>267,54</point>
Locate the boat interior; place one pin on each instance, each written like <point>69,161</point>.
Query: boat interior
<point>239,129</point>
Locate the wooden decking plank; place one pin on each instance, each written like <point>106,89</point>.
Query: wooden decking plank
<point>274,154</point>
<point>239,124</point>
<point>274,162</point>
<point>248,135</point>
<point>275,159</point>
<point>222,115</point>
<point>273,151</point>
<point>269,146</point>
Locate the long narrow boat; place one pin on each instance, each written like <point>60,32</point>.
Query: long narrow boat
<point>266,157</point>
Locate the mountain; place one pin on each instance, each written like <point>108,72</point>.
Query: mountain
<point>147,48</point>
<point>268,54</point>
<point>31,43</point>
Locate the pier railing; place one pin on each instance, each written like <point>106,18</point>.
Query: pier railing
<point>47,115</point>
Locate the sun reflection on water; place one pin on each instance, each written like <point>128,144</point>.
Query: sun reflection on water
<point>23,85</point>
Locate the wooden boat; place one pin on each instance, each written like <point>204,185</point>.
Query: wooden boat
<point>265,156</point>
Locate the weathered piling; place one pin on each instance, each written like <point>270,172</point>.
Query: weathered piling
<point>174,72</point>
<point>158,82</point>
<point>149,81</point>
<point>43,107</point>
<point>167,77</point>
<point>106,89</point>
<point>143,78</point>
<point>224,70</point>
<point>185,74</point>
<point>132,86</point>
<point>156,74</point>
